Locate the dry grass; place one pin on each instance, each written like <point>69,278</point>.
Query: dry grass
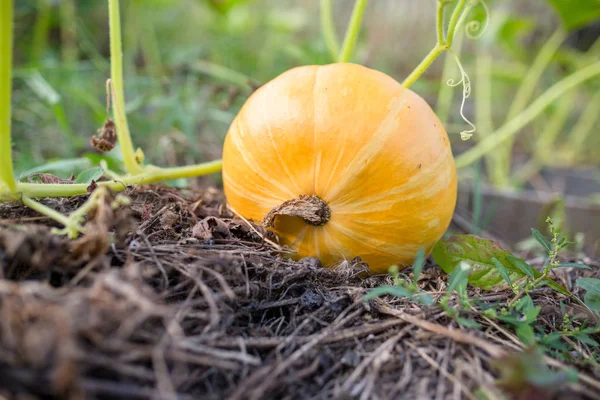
<point>190,302</point>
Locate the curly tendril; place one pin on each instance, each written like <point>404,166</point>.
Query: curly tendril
<point>466,83</point>
<point>474,29</point>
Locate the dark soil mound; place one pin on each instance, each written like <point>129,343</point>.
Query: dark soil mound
<point>187,301</point>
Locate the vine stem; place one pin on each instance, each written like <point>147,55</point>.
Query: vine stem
<point>45,210</point>
<point>116,72</point>
<point>422,67</point>
<point>512,128</point>
<point>352,31</point>
<point>6,31</point>
<point>151,174</point>
<point>328,29</point>
<point>443,43</point>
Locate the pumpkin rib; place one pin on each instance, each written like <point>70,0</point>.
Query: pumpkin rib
<point>281,161</point>
<point>335,167</point>
<point>332,243</point>
<point>430,186</point>
<point>300,236</point>
<point>373,146</point>
<point>317,161</point>
<point>251,195</point>
<point>252,164</point>
<point>367,241</point>
<point>316,242</point>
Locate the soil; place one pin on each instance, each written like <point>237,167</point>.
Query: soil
<point>188,301</point>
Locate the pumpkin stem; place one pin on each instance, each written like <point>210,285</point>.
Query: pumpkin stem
<point>310,208</point>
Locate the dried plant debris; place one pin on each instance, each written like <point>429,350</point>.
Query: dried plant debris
<point>107,137</point>
<point>174,297</point>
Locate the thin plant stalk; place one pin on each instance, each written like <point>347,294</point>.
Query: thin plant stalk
<point>116,55</point>
<point>521,99</point>
<point>45,210</point>
<point>513,127</point>
<point>328,29</point>
<point>443,43</point>
<point>352,31</point>
<point>6,38</point>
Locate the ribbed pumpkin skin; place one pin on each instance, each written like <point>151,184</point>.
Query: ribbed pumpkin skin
<point>373,150</point>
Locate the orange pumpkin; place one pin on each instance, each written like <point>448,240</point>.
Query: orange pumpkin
<point>342,161</point>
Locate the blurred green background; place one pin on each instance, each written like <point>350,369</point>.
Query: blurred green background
<point>189,63</point>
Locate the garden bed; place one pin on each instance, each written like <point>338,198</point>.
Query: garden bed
<point>197,304</point>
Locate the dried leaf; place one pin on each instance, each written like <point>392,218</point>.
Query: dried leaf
<point>107,137</point>
<point>211,228</point>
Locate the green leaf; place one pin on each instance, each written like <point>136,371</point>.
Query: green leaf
<point>418,264</point>
<point>396,291</point>
<point>574,265</point>
<point>576,13</point>
<point>583,338</point>
<point>556,286</point>
<point>592,295</point>
<point>522,266</point>
<point>592,330</point>
<point>554,340</point>
<point>459,277</point>
<point>502,270</point>
<point>525,333</point>
<point>89,175</point>
<point>478,253</point>
<point>468,323</point>
<point>423,298</point>
<point>399,291</point>
<point>541,239</point>
<point>62,168</point>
